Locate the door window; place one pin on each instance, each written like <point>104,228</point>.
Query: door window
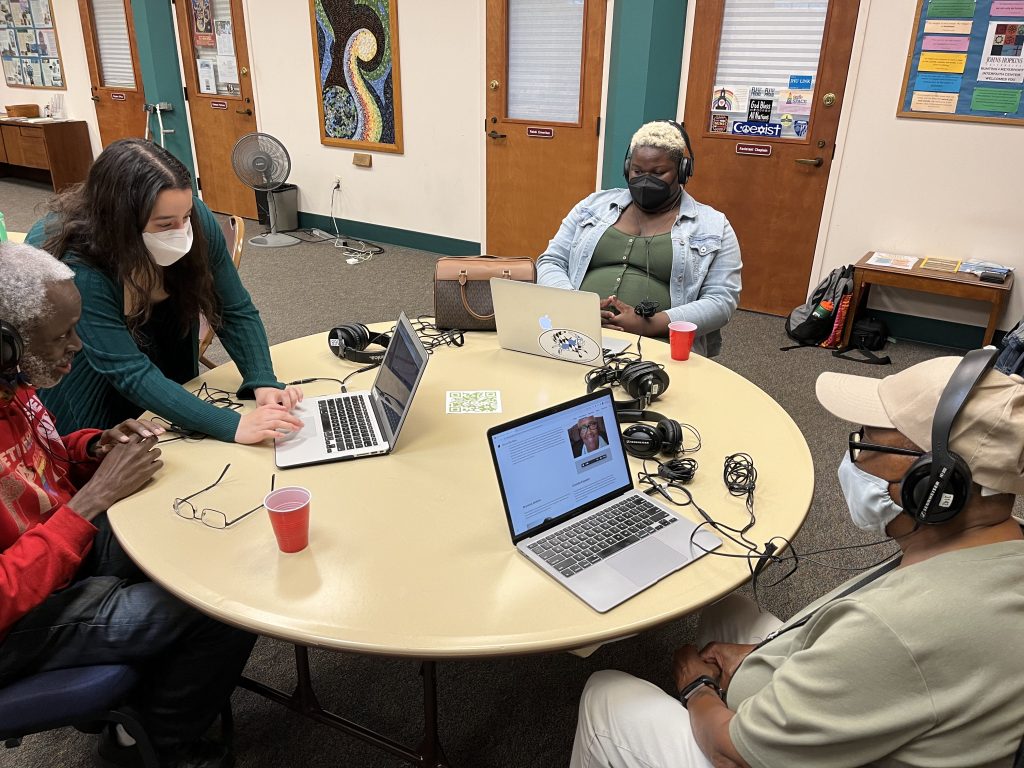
<point>545,60</point>
<point>213,41</point>
<point>767,65</point>
<point>113,44</point>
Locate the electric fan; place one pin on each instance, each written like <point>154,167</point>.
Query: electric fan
<point>261,162</point>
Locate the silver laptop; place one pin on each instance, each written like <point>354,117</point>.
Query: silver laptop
<point>553,322</point>
<point>358,424</point>
<point>572,508</point>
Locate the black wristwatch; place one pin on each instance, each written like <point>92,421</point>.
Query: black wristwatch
<point>696,685</point>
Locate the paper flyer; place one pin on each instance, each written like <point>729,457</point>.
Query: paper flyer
<point>207,76</point>
<point>225,38</point>
<point>730,98</point>
<point>1001,58</point>
<point>227,66</point>
<point>927,101</point>
<point>955,63</point>
<point>473,401</point>
<point>894,260</point>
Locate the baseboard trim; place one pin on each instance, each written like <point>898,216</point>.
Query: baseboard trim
<point>927,330</point>
<point>406,238</point>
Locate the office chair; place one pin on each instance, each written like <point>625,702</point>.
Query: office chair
<point>78,696</point>
<point>234,234</point>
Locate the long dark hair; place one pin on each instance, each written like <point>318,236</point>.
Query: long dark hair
<point>100,222</point>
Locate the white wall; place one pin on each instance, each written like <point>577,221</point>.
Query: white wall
<point>77,102</point>
<point>435,186</point>
<point>920,187</point>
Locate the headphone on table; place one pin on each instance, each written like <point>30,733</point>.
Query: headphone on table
<point>349,342</point>
<point>685,167</point>
<point>11,348</point>
<point>644,382</point>
<point>645,441</point>
<point>938,485</point>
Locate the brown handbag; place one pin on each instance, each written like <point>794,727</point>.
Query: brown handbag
<point>462,291</point>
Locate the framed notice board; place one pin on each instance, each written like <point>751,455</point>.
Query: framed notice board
<point>966,62</point>
<point>29,50</point>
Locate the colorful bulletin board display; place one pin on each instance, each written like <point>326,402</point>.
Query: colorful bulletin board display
<point>966,62</point>
<point>29,49</point>
<point>763,112</point>
<point>355,44</point>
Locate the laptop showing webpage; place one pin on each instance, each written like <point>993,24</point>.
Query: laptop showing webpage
<point>572,508</point>
<point>553,322</point>
<point>359,424</point>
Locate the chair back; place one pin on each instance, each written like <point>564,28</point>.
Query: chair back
<point>233,228</point>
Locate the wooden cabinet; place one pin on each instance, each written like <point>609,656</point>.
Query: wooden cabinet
<point>59,152</point>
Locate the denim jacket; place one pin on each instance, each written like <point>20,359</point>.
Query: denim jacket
<point>705,282</point>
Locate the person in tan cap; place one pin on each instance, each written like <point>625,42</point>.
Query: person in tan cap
<point>914,664</point>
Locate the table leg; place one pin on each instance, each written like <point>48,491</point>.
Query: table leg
<point>998,305</point>
<point>430,747</point>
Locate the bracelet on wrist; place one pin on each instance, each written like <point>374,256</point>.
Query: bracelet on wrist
<point>691,688</point>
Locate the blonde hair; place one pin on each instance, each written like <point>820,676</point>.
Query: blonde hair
<point>660,135</point>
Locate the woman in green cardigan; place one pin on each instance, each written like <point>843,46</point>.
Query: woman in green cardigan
<point>148,257</point>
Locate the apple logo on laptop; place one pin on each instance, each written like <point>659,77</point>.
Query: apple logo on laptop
<point>545,322</point>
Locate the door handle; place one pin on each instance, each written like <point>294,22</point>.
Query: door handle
<point>95,98</point>
<point>249,112</point>
<point>496,135</point>
<point>816,162</point>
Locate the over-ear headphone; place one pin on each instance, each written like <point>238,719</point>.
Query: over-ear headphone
<point>350,341</point>
<point>643,381</point>
<point>11,348</point>
<point>645,441</point>
<point>685,167</point>
<point>938,485</point>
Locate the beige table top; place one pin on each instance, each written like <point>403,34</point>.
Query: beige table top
<point>16,237</point>
<point>410,553</point>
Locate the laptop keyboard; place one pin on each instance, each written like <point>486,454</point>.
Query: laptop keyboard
<point>346,423</point>
<point>581,545</point>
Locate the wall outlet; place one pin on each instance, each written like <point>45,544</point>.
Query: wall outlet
<point>337,182</point>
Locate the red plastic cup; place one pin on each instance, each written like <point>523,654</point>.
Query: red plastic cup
<point>289,514</point>
<point>680,339</point>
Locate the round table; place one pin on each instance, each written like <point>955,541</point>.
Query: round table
<point>410,553</point>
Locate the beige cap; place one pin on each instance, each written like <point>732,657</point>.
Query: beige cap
<point>988,434</point>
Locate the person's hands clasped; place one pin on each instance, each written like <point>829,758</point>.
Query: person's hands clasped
<point>288,397</point>
<point>264,422</point>
<point>727,657</point>
<point>122,434</point>
<point>626,320</point>
<point>687,666</point>
<point>125,468</point>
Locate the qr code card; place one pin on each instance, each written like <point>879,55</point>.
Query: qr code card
<point>474,401</point>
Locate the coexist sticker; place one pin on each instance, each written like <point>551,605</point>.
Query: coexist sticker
<point>769,130</point>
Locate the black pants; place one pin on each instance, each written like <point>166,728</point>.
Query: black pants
<point>112,613</point>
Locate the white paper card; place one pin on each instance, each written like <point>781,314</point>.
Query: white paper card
<point>473,401</point>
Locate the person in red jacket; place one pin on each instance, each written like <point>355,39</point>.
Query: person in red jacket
<point>69,595</point>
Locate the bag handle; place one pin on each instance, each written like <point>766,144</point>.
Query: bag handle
<point>506,274</point>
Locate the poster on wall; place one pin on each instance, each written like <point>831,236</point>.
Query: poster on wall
<point>358,81</point>
<point>966,62</point>
<point>202,24</point>
<point>29,48</point>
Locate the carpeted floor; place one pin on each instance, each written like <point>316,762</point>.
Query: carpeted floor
<point>501,713</point>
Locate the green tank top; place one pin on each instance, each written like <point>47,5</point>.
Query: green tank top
<point>620,264</point>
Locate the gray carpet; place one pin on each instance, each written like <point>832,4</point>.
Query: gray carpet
<point>493,714</point>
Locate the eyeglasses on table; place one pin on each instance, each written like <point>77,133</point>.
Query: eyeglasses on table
<point>214,518</point>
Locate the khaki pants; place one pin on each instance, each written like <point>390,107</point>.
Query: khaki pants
<point>626,722</point>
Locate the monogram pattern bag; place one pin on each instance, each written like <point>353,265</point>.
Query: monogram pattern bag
<point>462,289</point>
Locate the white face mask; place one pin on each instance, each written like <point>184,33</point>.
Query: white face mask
<point>169,246</point>
<point>867,496</point>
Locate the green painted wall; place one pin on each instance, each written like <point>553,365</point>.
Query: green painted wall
<point>643,76</point>
<point>161,78</point>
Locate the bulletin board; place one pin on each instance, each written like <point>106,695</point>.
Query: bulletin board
<point>29,49</point>
<point>966,62</point>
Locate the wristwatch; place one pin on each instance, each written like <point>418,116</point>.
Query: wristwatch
<point>696,685</point>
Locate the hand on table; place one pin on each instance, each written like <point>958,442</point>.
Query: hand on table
<point>264,422</point>
<point>122,434</point>
<point>727,657</point>
<point>626,320</point>
<point>288,397</point>
<point>125,468</point>
<point>687,666</point>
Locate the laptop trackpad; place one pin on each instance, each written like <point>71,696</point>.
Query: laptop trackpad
<point>647,561</point>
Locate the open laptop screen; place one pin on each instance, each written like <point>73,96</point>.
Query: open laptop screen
<point>559,462</point>
<point>399,374</point>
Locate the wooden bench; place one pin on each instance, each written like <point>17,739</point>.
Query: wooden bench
<point>962,285</point>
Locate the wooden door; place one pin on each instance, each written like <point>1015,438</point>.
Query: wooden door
<point>219,96</point>
<point>764,95</point>
<point>113,58</point>
<point>544,68</point>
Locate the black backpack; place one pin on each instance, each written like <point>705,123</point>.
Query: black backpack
<point>808,327</point>
<point>866,337</point>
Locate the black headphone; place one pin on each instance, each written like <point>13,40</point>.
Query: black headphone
<point>349,341</point>
<point>685,169</point>
<point>938,485</point>
<point>645,441</point>
<point>642,380</point>
<point>11,348</point>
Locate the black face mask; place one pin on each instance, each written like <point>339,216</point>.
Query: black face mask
<point>651,193</point>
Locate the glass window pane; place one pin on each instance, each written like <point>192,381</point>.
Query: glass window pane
<point>767,62</point>
<point>545,57</point>
<point>213,41</point>
<point>112,40</point>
